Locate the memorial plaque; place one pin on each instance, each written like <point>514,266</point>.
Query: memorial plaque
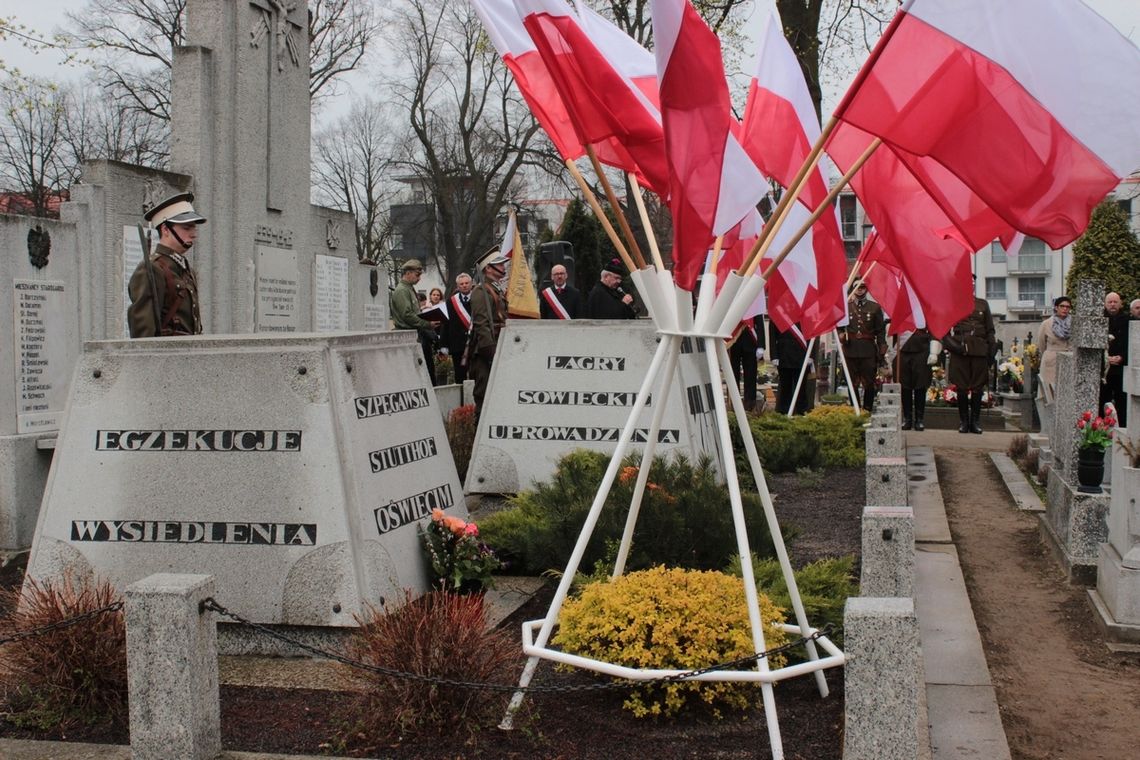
<point>330,293</point>
<point>296,470</point>
<point>277,289</point>
<point>375,317</point>
<point>560,386</point>
<point>43,366</point>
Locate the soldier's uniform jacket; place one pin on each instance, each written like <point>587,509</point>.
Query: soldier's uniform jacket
<point>176,292</point>
<point>866,331</point>
<point>974,332</point>
<point>488,315</point>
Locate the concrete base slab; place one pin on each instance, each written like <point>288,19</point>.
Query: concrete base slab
<point>1123,637</point>
<point>1075,524</point>
<point>969,724</point>
<point>925,496</point>
<point>1023,494</point>
<point>1079,573</point>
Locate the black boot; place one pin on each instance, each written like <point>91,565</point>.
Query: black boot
<point>907,408</point>
<point>976,412</point>
<point>869,398</point>
<point>963,412</point>
<point>919,408</point>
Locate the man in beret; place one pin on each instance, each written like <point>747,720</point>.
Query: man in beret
<point>405,307</point>
<point>488,315</point>
<point>607,300</point>
<point>164,289</point>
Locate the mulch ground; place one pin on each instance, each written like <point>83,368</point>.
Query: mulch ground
<point>822,512</point>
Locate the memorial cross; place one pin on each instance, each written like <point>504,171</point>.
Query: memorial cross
<point>1089,335</point>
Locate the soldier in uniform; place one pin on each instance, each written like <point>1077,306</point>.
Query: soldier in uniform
<point>864,341</point>
<point>488,315</point>
<point>917,352</point>
<point>404,306</point>
<point>971,343</point>
<point>164,290</point>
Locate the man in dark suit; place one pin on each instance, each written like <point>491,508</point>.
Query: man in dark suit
<point>561,300</point>
<point>458,326</point>
<point>788,354</point>
<point>607,299</point>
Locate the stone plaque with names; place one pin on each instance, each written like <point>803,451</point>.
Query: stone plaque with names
<point>42,364</point>
<point>277,289</point>
<point>375,317</point>
<point>330,293</point>
<point>297,470</point>
<point>560,386</point>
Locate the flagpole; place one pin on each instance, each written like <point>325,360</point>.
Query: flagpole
<point>645,225</point>
<point>824,206</point>
<point>612,197</point>
<point>800,381</point>
<point>600,214</point>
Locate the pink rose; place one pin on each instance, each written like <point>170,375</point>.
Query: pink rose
<point>1086,416</point>
<point>471,530</point>
<point>1080,424</point>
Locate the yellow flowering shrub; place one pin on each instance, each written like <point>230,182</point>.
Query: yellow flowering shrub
<point>670,618</point>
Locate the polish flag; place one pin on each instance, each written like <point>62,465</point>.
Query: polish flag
<point>603,104</point>
<point>780,126</point>
<point>713,184</point>
<point>624,53</point>
<point>890,288</point>
<point>1033,104</point>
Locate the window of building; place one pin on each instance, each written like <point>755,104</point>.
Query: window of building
<point>995,288</point>
<point>848,224</point>
<point>997,253</point>
<point>1125,205</point>
<point>1031,289</point>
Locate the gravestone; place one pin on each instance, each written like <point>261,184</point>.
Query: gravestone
<point>1116,597</point>
<point>39,343</point>
<point>297,470</point>
<point>560,386</point>
<point>1074,522</point>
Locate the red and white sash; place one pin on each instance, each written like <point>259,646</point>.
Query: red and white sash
<point>459,310</point>
<point>553,302</point>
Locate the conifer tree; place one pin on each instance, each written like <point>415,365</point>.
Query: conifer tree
<point>592,248</point>
<point>1108,251</point>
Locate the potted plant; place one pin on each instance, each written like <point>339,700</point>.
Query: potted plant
<point>1093,439</point>
<point>457,560</point>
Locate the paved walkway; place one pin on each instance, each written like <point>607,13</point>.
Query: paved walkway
<point>962,714</point>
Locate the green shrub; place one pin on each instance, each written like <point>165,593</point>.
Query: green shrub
<point>827,436</point>
<point>824,586</point>
<point>670,618</point>
<point>684,520</point>
<point>68,676</point>
<point>441,635</point>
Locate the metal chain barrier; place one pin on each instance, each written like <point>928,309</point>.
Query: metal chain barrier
<point>212,605</point>
<point>20,635</point>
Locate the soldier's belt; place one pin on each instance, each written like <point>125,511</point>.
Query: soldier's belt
<point>863,336</point>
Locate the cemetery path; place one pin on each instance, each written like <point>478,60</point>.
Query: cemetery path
<point>1063,695</point>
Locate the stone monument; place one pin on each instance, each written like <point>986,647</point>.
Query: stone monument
<point>1074,522</point>
<point>1116,597</point>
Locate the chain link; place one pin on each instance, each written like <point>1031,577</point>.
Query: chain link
<point>212,605</point>
<point>20,635</point>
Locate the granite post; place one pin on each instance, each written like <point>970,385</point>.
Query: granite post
<point>172,669</point>
<point>1075,523</point>
<point>882,679</point>
<point>888,552</point>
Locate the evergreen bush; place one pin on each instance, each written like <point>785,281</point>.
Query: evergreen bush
<point>671,618</point>
<point>460,429</point>
<point>684,520</point>
<point>827,436</point>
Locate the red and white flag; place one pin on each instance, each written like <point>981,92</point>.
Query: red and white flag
<point>889,286</point>
<point>604,105</point>
<point>780,126</point>
<point>713,184</point>
<point>1033,104</point>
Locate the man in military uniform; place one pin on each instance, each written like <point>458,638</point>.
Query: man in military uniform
<point>488,315</point>
<point>864,341</point>
<point>971,343</point>
<point>404,305</point>
<point>917,352</point>
<point>164,288</point>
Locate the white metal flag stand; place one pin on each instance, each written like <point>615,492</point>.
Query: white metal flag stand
<point>715,318</point>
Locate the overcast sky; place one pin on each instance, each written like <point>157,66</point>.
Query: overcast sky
<point>47,16</point>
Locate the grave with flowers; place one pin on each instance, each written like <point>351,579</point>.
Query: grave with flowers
<point>1015,383</point>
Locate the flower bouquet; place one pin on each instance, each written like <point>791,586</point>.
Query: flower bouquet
<point>1011,372</point>
<point>1095,433</point>
<point>1033,356</point>
<point>458,561</point>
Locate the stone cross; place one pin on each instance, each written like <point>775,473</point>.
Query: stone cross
<point>1078,375</point>
<point>279,24</point>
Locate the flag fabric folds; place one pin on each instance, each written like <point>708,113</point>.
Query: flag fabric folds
<point>1032,104</point>
<point>713,184</point>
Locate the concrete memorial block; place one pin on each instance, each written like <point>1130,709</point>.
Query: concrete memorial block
<point>881,679</point>
<point>895,388</point>
<point>556,387</point>
<point>888,552</point>
<point>296,470</point>
<point>40,292</point>
<point>1074,524</point>
<point>889,418</point>
<point>884,442</point>
<point>886,482</point>
<point>887,403</point>
<point>172,669</point>
<point>1078,377</point>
